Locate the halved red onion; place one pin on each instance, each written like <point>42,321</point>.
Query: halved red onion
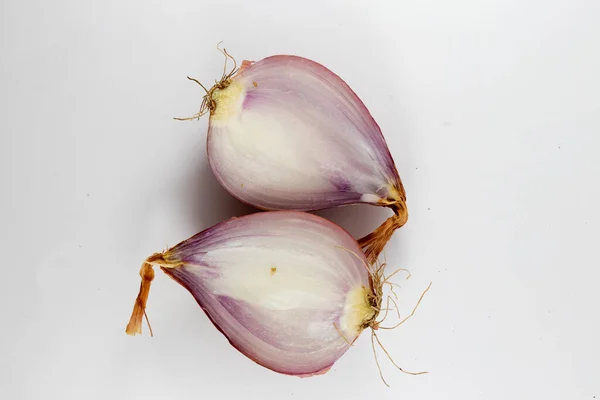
<point>288,289</point>
<point>286,133</point>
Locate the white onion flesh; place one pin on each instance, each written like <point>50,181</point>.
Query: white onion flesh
<point>290,290</point>
<point>287,133</point>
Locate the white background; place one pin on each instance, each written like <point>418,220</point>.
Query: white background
<point>491,110</point>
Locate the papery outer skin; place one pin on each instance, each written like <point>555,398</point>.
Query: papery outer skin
<point>275,283</point>
<point>289,134</point>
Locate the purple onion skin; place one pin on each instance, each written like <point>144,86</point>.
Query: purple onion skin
<point>283,340</point>
<point>328,94</point>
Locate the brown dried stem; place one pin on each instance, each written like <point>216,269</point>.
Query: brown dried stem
<point>147,274</point>
<point>139,309</point>
<point>374,242</point>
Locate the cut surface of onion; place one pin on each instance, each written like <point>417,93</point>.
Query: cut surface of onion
<point>288,289</point>
<point>286,133</point>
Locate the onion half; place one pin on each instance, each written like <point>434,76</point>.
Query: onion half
<point>286,133</point>
<point>290,290</point>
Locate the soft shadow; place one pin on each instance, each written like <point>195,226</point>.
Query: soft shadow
<point>206,202</point>
<point>359,220</point>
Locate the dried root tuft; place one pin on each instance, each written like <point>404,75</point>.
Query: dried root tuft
<point>208,104</point>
